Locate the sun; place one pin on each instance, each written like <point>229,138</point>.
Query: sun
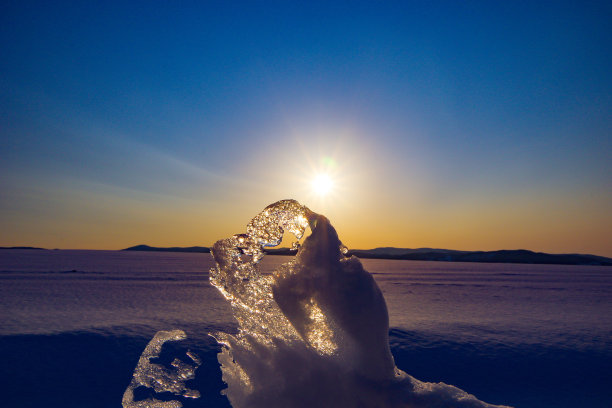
<point>322,184</point>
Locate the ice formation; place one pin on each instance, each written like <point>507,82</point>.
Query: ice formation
<point>315,332</point>
<point>159,378</point>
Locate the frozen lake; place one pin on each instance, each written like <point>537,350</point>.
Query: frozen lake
<point>73,324</point>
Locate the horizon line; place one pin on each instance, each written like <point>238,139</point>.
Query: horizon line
<point>278,247</point>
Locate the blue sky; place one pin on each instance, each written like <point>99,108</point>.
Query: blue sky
<point>175,122</point>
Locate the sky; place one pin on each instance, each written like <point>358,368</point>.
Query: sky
<point>462,125</point>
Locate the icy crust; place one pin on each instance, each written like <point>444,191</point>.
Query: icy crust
<point>160,378</point>
<point>315,333</point>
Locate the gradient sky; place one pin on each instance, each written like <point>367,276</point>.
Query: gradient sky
<point>462,125</point>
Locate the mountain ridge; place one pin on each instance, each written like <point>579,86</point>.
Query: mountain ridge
<point>523,256</point>
<point>147,248</point>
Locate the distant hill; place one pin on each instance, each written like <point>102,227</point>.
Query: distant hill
<point>21,247</point>
<point>197,249</point>
<point>501,256</point>
<point>432,254</point>
<point>269,251</point>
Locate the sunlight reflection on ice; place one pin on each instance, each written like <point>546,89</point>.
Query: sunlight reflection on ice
<point>320,322</point>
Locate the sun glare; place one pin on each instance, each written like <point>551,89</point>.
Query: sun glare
<point>322,184</point>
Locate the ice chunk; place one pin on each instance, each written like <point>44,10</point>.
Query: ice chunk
<point>315,333</point>
<point>160,378</point>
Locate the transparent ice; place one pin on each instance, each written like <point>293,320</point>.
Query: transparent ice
<point>159,378</point>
